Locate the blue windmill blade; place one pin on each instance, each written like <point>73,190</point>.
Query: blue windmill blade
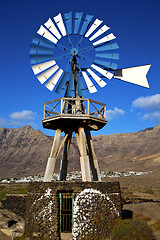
<point>47,34</point>
<point>62,84</point>
<point>52,28</point>
<point>105,39</point>
<point>71,88</point>
<point>78,17</point>
<point>38,50</point>
<point>85,24</point>
<point>35,59</point>
<point>54,79</point>
<point>38,68</point>
<point>99,32</point>
<point>108,55</point>
<point>81,89</point>
<point>89,83</point>
<point>109,65</point>
<point>59,21</point>
<point>68,20</point>
<point>93,27</point>
<point>102,71</point>
<point>48,74</point>
<point>107,47</point>
<point>100,82</point>
<point>41,41</point>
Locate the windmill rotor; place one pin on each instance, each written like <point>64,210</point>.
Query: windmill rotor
<point>86,39</point>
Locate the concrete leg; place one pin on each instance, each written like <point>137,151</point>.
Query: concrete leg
<point>92,157</point>
<point>84,159</point>
<point>52,159</point>
<point>64,162</point>
<point>49,169</point>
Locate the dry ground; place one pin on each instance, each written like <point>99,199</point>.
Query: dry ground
<point>141,196</point>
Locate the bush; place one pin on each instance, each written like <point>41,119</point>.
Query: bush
<point>12,189</point>
<point>156,225</point>
<point>132,230</point>
<point>149,190</point>
<point>141,216</point>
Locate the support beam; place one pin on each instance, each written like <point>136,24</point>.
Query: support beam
<point>52,159</point>
<point>64,161</point>
<point>61,144</point>
<point>84,159</point>
<point>92,157</point>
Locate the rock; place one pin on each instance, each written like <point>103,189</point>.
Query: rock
<point>10,224</point>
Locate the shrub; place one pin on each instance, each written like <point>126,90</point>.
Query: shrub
<point>149,190</point>
<point>12,189</point>
<point>2,192</point>
<point>141,216</point>
<point>156,225</point>
<point>24,237</point>
<point>132,230</point>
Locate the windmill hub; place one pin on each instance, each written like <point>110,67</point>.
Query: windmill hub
<point>74,51</point>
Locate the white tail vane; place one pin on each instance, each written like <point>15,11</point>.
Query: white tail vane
<point>135,75</point>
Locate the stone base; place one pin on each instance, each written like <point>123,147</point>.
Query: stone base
<point>97,205</point>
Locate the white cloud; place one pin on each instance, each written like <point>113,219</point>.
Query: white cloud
<point>114,113</point>
<point>2,121</point>
<point>25,115</point>
<point>154,116</point>
<point>150,107</point>
<point>149,103</point>
<point>19,119</point>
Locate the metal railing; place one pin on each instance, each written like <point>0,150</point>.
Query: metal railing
<point>74,106</point>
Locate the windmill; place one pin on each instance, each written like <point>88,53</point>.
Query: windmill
<point>72,54</point>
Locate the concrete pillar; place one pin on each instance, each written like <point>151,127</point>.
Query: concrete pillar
<point>92,157</point>
<point>52,159</point>
<point>84,159</point>
<point>64,161</point>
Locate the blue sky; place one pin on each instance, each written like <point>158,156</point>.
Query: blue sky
<point>135,24</point>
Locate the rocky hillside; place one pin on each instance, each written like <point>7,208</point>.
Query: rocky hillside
<point>24,151</point>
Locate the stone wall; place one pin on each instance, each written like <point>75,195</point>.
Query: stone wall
<point>97,205</point>
<point>16,203</point>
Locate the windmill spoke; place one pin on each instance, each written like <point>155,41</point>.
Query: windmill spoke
<point>86,58</point>
<point>63,48</point>
<point>62,56</point>
<point>86,49</point>
<point>70,42</point>
<point>79,43</point>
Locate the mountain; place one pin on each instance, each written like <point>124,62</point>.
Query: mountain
<point>24,151</point>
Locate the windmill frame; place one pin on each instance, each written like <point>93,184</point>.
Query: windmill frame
<point>72,116</point>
